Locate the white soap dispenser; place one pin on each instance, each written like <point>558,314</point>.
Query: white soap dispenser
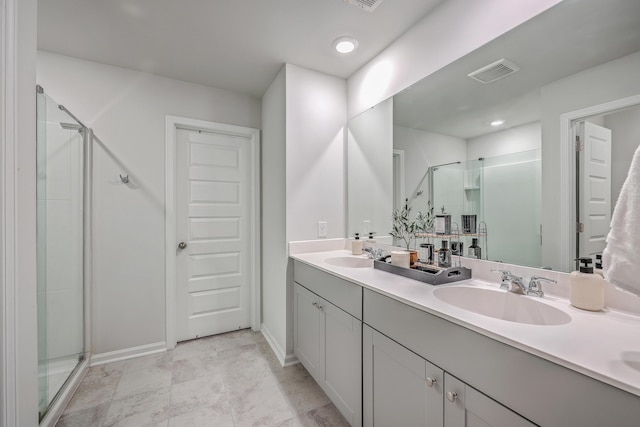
<point>356,245</point>
<point>587,288</point>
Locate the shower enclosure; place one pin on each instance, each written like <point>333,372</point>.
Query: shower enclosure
<point>61,140</point>
<point>504,194</point>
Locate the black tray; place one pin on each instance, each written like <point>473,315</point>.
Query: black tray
<point>426,274</point>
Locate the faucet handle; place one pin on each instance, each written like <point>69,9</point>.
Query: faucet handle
<point>535,285</point>
<point>505,279</point>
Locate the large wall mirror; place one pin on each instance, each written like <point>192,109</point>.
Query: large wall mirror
<point>489,145</point>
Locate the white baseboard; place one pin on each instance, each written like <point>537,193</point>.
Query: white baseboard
<point>290,360</point>
<point>128,353</point>
<point>284,359</point>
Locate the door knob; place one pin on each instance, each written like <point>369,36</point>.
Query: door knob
<point>182,245</point>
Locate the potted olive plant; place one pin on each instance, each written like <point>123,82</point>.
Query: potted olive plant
<point>404,228</point>
<point>424,221</point>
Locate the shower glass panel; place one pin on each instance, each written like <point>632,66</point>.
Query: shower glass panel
<point>512,199</point>
<point>60,248</point>
<point>504,194</point>
<point>448,198</point>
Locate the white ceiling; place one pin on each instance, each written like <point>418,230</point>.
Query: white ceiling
<point>238,45</point>
<point>566,39</point>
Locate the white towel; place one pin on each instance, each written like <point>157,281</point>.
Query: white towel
<point>621,257</point>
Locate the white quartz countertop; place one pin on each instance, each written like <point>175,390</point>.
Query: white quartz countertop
<point>603,345</point>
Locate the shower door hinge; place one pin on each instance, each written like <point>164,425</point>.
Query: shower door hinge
<point>579,144</point>
<point>580,227</point>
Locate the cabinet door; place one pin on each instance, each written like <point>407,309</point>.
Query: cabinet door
<point>342,362</point>
<point>465,406</point>
<point>396,388</point>
<point>306,329</point>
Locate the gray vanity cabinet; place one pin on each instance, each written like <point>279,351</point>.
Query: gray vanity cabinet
<point>399,387</point>
<point>328,340</point>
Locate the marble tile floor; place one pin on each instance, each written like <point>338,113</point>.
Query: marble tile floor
<point>231,380</point>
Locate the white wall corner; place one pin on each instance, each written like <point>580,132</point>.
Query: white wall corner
<point>18,320</point>
<point>273,343</point>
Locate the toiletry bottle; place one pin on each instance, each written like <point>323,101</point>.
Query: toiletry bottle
<point>587,288</point>
<point>457,248</point>
<point>425,253</point>
<point>598,266</point>
<point>474,250</point>
<point>356,245</point>
<point>371,239</point>
<point>444,255</point>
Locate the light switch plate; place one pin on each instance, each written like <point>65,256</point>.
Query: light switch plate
<point>322,228</point>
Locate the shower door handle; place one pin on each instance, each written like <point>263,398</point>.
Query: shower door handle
<point>182,245</point>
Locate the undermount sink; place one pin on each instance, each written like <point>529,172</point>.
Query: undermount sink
<point>503,305</point>
<point>351,262</point>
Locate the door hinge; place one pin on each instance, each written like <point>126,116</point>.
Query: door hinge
<point>579,144</point>
<point>580,227</point>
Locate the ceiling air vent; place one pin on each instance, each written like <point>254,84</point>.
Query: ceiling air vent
<point>495,71</point>
<point>368,5</point>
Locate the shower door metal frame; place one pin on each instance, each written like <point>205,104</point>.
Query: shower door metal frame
<point>57,405</point>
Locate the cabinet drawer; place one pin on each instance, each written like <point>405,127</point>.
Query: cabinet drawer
<point>343,294</point>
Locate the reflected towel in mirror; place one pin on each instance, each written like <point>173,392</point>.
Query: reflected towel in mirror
<point>621,257</point>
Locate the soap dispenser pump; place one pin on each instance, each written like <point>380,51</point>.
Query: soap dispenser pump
<point>587,288</point>
<point>356,245</point>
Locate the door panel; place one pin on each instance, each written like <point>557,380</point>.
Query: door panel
<point>595,188</point>
<point>471,408</point>
<point>342,361</point>
<point>306,332</point>
<point>395,387</point>
<point>213,212</point>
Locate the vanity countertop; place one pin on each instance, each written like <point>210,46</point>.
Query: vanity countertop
<point>602,345</point>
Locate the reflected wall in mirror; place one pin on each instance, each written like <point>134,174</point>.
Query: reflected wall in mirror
<point>369,183</point>
<point>575,55</point>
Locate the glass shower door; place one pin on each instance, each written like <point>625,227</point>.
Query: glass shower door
<point>447,196</point>
<point>60,248</point>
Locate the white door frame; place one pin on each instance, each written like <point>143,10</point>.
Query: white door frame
<point>172,124</point>
<point>568,173</point>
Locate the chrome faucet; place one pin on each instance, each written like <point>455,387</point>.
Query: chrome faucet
<point>511,283</point>
<point>374,253</point>
<point>505,279</point>
<point>535,285</point>
<point>517,286</point>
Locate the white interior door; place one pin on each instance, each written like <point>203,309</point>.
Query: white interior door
<point>594,188</point>
<point>213,214</point>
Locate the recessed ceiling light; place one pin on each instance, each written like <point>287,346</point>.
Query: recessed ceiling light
<point>497,122</point>
<point>345,44</point>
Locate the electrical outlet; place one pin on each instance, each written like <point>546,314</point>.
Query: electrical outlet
<point>322,228</point>
<point>366,228</point>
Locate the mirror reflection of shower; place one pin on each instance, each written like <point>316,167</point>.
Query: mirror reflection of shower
<point>503,192</point>
<point>61,149</point>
